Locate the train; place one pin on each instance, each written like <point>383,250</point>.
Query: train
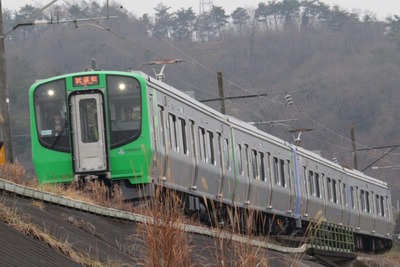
<point>134,130</point>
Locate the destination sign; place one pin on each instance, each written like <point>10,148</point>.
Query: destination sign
<point>86,80</point>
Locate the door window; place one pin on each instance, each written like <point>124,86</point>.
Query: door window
<point>88,120</point>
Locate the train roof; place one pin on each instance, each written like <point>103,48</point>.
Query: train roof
<point>275,140</point>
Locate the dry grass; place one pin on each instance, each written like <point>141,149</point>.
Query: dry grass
<point>229,252</point>
<point>93,192</point>
<point>11,217</point>
<point>389,259</point>
<point>16,173</point>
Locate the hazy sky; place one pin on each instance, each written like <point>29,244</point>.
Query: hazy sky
<point>382,8</point>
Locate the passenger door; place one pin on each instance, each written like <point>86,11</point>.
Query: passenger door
<point>88,134</point>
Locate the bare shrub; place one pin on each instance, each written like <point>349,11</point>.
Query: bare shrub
<point>162,238</point>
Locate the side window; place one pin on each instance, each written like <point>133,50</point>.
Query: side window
<point>367,202</point>
<point>173,140</point>
<point>383,207</point>
<point>305,180</point>
<point>275,170</point>
<point>226,154</point>
<point>282,173</point>
<point>269,168</point>
<point>329,188</point>
<point>211,150</point>
<point>352,192</point>
<point>193,137</point>
<point>317,185</point>
<point>344,197</point>
<point>362,200</point>
<point>246,160</point>
<point>239,159</point>
<point>311,183</point>
<point>262,167</point>
<point>254,164</point>
<point>334,194</point>
<point>288,171</point>
<point>161,125</point>
<point>377,205</point>
<point>202,144</point>
<point>183,139</point>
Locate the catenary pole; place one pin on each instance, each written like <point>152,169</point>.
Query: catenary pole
<point>4,100</point>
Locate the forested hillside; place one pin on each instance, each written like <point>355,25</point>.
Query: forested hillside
<point>341,69</point>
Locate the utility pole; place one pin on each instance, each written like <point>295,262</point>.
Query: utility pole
<point>221,91</point>
<point>353,142</point>
<point>4,112</point>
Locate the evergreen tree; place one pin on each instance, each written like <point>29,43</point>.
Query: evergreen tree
<point>221,19</point>
<point>163,21</point>
<point>240,17</point>
<point>183,24</point>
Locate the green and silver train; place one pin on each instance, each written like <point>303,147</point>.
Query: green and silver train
<point>134,130</point>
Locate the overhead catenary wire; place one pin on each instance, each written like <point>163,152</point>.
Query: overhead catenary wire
<point>213,73</point>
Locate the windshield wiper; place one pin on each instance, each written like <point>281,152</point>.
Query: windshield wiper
<point>120,131</point>
<point>57,139</point>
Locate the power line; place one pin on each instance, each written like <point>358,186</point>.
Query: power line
<point>196,63</point>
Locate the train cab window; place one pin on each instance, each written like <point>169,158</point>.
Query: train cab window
<point>125,107</point>
<point>51,115</point>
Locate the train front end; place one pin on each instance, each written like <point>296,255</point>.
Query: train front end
<point>91,125</point>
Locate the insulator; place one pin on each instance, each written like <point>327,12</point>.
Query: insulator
<point>289,100</point>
